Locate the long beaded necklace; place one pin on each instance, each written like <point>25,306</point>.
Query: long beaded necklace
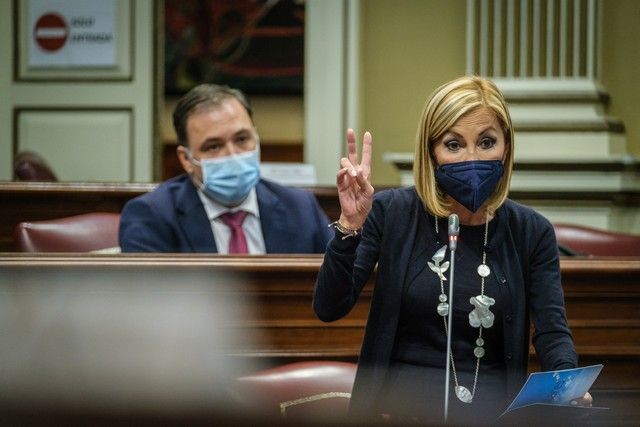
<point>480,317</point>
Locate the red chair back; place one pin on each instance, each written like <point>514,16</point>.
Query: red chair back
<point>592,241</point>
<point>79,233</point>
<point>303,390</point>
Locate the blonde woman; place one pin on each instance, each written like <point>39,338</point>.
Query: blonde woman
<point>507,269</point>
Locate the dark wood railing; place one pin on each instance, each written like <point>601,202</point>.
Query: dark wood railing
<point>602,296</point>
<point>36,201</point>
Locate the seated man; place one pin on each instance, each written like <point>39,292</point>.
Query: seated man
<point>221,204</point>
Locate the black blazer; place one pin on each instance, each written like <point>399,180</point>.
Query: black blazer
<point>172,219</point>
<point>398,236</point>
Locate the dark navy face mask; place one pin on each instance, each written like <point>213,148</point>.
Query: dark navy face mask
<point>470,183</point>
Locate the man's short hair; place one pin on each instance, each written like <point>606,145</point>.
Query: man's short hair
<point>202,97</point>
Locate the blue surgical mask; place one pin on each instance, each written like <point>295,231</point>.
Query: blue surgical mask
<point>470,183</point>
<point>229,179</point>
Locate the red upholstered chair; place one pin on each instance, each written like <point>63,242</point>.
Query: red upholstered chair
<point>595,242</point>
<point>314,390</point>
<point>29,166</point>
<point>96,231</point>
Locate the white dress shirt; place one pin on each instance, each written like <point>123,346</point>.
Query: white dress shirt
<point>251,226</point>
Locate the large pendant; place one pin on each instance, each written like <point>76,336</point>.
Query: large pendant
<point>463,394</point>
<point>435,266</point>
<point>439,269</point>
<point>438,257</point>
<point>481,315</point>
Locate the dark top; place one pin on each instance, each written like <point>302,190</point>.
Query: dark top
<point>172,219</point>
<point>415,384</point>
<point>421,337</point>
<point>398,235</point>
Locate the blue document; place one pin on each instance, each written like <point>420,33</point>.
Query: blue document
<point>555,387</point>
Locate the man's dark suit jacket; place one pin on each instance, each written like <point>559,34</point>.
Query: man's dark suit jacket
<point>172,219</point>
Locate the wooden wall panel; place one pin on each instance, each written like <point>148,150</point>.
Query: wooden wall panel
<point>94,145</point>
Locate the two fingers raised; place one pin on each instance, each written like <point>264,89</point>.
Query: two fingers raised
<point>351,161</point>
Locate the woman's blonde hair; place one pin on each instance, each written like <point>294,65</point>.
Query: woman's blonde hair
<point>444,107</point>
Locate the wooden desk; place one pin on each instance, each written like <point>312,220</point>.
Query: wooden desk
<point>36,201</point>
<point>602,296</point>
<point>602,300</point>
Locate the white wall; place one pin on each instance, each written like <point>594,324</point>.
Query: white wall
<point>105,127</point>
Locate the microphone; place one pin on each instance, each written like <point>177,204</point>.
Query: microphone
<point>454,231</point>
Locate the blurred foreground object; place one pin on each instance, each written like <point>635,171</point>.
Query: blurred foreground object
<point>78,340</point>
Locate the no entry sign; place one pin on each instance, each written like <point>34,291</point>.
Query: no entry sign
<point>72,33</point>
<point>51,32</point>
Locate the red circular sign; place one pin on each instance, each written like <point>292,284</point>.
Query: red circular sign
<point>51,32</point>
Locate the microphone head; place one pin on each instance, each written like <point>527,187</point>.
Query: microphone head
<point>454,225</point>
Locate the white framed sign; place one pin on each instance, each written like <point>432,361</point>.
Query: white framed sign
<point>74,39</point>
<point>69,33</point>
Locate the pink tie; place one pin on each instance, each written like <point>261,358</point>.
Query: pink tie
<point>237,242</point>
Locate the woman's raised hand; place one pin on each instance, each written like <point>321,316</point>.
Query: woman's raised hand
<point>354,189</point>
